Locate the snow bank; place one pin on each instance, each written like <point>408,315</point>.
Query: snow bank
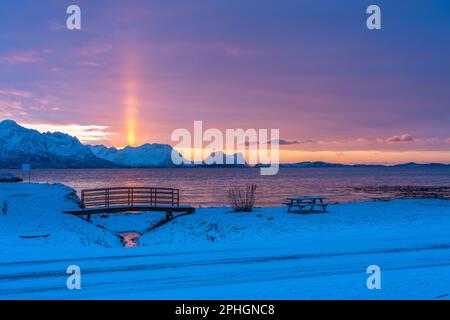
<point>35,218</point>
<point>379,218</point>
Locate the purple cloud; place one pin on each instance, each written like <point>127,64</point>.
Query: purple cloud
<point>95,50</point>
<point>282,142</point>
<point>89,64</point>
<point>21,57</point>
<point>16,93</point>
<point>401,138</point>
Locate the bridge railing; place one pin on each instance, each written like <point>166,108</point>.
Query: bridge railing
<point>130,197</point>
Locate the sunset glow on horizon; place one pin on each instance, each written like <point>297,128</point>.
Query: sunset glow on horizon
<point>137,72</point>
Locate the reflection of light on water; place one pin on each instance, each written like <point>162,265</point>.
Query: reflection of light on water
<point>130,239</point>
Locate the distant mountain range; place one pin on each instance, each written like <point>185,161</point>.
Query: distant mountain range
<point>320,164</point>
<point>20,145</point>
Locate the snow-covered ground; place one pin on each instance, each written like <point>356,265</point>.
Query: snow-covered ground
<point>35,219</point>
<point>219,254</point>
<point>379,218</point>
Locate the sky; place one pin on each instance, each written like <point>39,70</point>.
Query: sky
<point>138,70</point>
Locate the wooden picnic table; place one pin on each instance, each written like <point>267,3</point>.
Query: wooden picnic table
<point>303,202</point>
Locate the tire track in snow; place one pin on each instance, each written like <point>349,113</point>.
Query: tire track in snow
<point>140,267</point>
<point>210,279</point>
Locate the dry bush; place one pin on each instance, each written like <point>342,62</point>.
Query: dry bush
<point>242,198</point>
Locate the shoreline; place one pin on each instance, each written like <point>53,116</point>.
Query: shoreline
<point>63,198</point>
<point>206,188</point>
<point>217,253</point>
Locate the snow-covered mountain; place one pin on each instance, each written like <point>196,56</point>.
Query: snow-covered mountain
<point>145,156</point>
<point>221,159</point>
<point>20,145</point>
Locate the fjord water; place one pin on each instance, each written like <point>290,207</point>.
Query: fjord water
<point>208,186</point>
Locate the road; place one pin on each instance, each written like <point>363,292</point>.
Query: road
<point>411,272</point>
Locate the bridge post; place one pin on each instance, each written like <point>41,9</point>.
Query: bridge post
<point>169,215</point>
<point>82,199</point>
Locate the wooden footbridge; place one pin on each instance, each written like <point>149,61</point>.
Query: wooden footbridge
<point>131,199</point>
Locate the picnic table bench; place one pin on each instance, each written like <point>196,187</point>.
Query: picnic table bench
<point>306,202</point>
